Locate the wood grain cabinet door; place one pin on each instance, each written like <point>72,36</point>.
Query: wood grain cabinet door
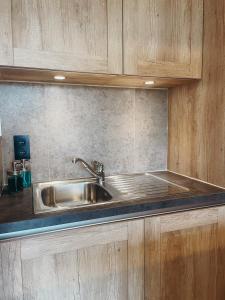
<point>185,256</point>
<point>6,51</point>
<point>163,38</point>
<point>104,262</point>
<point>76,35</point>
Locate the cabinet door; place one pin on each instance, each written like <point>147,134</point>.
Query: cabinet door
<point>185,255</point>
<point>6,51</point>
<point>163,37</point>
<point>77,35</point>
<point>100,262</point>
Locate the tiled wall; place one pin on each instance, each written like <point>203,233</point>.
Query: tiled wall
<point>126,129</point>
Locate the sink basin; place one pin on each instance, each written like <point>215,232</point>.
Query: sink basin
<point>66,195</point>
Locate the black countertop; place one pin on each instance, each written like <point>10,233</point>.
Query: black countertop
<point>17,217</point>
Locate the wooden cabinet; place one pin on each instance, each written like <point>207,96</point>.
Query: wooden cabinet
<point>100,262</point>
<point>6,51</point>
<point>163,38</point>
<point>102,42</point>
<point>169,257</point>
<point>185,256</point>
<point>66,35</point>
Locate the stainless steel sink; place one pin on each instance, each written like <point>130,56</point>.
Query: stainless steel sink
<point>71,194</point>
<point>74,194</point>
<point>68,194</point>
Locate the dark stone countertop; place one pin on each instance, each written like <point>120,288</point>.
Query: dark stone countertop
<point>17,218</point>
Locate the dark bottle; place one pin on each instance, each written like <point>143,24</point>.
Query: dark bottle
<point>15,179</point>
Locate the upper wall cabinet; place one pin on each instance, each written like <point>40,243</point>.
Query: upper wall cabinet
<point>6,51</point>
<point>163,38</point>
<point>101,42</point>
<point>71,35</point>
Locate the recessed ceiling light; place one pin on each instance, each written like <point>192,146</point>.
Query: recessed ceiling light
<point>150,82</point>
<point>59,77</point>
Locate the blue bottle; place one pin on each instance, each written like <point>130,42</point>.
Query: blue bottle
<point>26,174</point>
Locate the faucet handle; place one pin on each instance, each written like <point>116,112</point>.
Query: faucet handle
<point>98,166</point>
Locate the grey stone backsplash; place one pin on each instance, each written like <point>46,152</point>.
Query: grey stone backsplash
<point>126,129</point>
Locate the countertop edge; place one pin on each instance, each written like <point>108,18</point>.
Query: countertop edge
<point>11,230</point>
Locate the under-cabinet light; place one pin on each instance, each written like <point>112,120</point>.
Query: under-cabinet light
<point>150,82</point>
<point>59,77</point>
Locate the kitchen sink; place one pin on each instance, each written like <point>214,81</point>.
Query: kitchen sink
<point>77,193</point>
<point>67,195</point>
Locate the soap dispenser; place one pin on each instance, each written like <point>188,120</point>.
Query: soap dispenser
<point>15,179</point>
<point>26,174</point>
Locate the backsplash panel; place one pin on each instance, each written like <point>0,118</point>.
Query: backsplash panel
<point>126,129</point>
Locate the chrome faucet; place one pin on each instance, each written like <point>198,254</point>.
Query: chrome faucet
<point>97,168</point>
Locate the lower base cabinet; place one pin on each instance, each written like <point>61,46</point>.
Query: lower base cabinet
<point>185,255</point>
<point>179,256</point>
<point>94,263</point>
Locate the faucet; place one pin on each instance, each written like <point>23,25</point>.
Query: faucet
<point>97,169</point>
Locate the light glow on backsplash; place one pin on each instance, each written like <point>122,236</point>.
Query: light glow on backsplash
<point>126,129</point>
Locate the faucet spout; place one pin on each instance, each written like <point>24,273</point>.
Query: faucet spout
<point>97,170</point>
